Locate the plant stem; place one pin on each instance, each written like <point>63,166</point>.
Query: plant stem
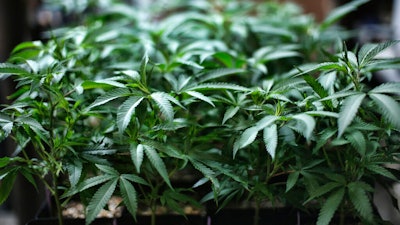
<point>53,190</point>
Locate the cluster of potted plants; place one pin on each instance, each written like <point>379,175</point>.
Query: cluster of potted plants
<point>201,107</point>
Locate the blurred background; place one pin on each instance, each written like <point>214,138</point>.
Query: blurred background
<point>23,20</point>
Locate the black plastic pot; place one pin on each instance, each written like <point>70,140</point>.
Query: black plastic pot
<point>141,220</point>
<point>43,218</point>
<point>267,216</point>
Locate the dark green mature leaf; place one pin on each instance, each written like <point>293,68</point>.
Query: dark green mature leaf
<point>341,11</point>
<point>158,163</point>
<point>359,197</point>
<point>134,178</point>
<point>319,89</point>
<point>322,190</point>
<point>107,169</point>
<point>206,171</point>
<point>348,111</point>
<point>316,86</point>
<point>6,185</point>
<point>126,110</point>
<point>357,140</point>
<point>389,107</point>
<point>369,51</point>
<point>109,96</point>
<point>330,207</point>
<point>74,169</point>
<point>381,170</point>
<point>292,180</point>
<point>271,139</point>
<point>88,183</point>
<point>129,195</point>
<point>99,200</point>
<point>28,174</point>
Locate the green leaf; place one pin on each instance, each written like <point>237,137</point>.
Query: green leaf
<point>6,185</point>
<point>389,107</point>
<point>107,169</point>
<point>7,69</point>
<point>359,197</point>
<point>348,111</point>
<point>125,112</point>
<point>218,73</point>
<point>143,68</point>
<point>341,94</point>
<point>316,86</point>
<point>109,82</point>
<point>357,140</point>
<point>129,196</point>
<point>163,103</point>
<point>33,124</point>
<point>292,180</point>
<point>266,121</point>
<point>322,190</point>
<point>27,45</point>
<point>99,200</point>
<point>322,114</point>
<point>74,169</point>
<point>134,178</point>
<point>109,96</point>
<point>381,170</point>
<point>326,66</point>
<point>369,51</point>
<point>206,171</point>
<point>88,183</point>
<point>28,174</point>
<point>218,86</point>
<point>330,207</point>
<point>386,88</point>
<point>248,136</point>
<point>306,125</point>
<point>134,75</point>
<point>279,54</point>
<point>137,153</point>
<point>341,11</point>
<point>158,163</point>
<point>4,161</point>
<point>271,139</point>
<point>201,97</point>
<point>229,113</point>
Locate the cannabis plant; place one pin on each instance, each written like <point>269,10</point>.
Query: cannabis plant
<point>257,100</point>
